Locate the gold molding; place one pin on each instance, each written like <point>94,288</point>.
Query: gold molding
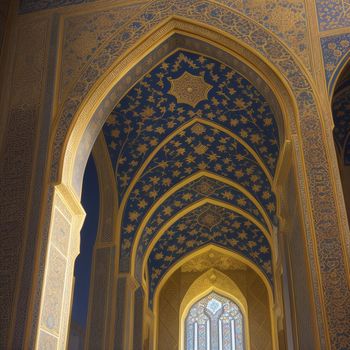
<point>123,64</point>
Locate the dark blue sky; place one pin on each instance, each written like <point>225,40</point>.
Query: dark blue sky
<point>90,202</point>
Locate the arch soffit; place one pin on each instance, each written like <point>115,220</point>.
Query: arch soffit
<point>198,204</point>
<point>184,257</point>
<point>340,107</point>
<point>202,250</point>
<point>101,100</point>
<point>337,74</point>
<point>182,184</point>
<point>177,132</point>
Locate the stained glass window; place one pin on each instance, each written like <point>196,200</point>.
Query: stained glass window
<point>214,323</point>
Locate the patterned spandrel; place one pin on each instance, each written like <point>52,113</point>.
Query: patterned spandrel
<point>225,325</point>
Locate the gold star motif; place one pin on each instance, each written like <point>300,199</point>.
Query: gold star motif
<point>189,89</point>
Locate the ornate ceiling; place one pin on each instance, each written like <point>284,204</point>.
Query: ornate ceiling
<point>204,225</point>
<point>194,147</point>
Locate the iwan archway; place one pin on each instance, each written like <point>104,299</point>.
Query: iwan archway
<point>302,169</point>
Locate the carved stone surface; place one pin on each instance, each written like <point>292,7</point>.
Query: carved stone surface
<point>53,292</point>
<point>60,232</point>
<point>100,298</point>
<point>47,341</point>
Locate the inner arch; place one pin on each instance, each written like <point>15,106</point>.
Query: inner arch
<point>188,114</point>
<point>165,48</point>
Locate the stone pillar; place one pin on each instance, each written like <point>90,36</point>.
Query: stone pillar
<point>148,332</point>
<point>138,328</point>
<point>100,298</point>
<point>286,288</point>
<point>63,248</point>
<point>126,287</point>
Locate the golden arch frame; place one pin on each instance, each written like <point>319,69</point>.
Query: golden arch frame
<point>173,25</point>
<point>224,251</point>
<point>286,99</point>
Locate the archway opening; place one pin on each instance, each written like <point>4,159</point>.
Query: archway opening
<point>193,148</point>
<point>252,208</point>
<point>90,201</point>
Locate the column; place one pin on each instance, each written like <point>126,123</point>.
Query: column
<point>63,248</point>
<point>127,290</point>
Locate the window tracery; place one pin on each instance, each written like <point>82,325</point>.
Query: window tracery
<point>214,323</point>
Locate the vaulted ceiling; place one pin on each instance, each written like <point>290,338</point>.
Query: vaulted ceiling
<point>194,147</point>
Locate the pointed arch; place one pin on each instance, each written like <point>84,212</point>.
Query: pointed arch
<point>215,281</point>
<point>236,296</point>
<point>78,120</point>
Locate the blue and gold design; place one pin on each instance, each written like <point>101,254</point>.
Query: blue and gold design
<point>197,148</point>
<point>188,116</point>
<point>202,188</point>
<point>148,113</point>
<point>256,40</point>
<point>336,51</point>
<point>208,224</point>
<point>341,116</point>
<point>333,14</point>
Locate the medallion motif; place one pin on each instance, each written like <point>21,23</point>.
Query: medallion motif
<point>190,89</point>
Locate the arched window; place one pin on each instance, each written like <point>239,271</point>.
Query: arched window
<point>214,323</point>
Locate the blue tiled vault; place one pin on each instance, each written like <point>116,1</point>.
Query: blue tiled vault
<point>200,189</point>
<point>204,225</point>
<point>333,14</point>
<point>190,116</point>
<point>187,154</point>
<point>336,53</point>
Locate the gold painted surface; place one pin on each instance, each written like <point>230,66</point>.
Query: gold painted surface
<point>212,259</point>
<point>183,288</point>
